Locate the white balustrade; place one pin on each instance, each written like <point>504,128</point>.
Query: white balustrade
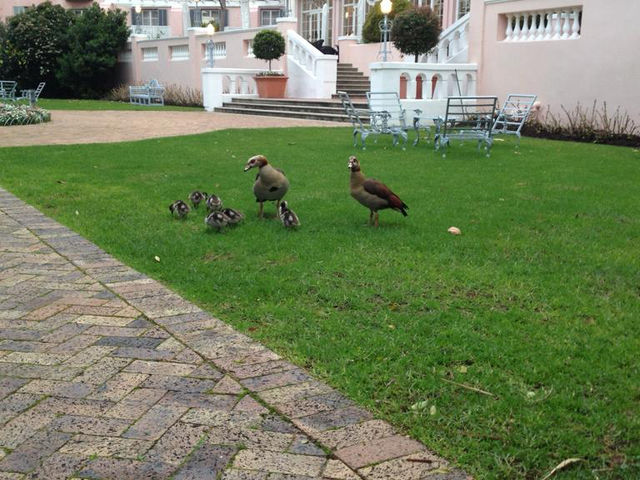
<point>312,74</point>
<point>220,85</point>
<point>553,24</point>
<point>453,46</point>
<point>153,32</point>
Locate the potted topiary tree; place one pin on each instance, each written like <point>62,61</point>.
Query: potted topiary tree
<point>269,45</point>
<point>416,31</point>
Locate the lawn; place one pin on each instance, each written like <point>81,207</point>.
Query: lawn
<point>73,104</point>
<point>536,303</point>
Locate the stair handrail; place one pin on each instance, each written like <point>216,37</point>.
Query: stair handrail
<point>447,37</point>
<point>312,74</point>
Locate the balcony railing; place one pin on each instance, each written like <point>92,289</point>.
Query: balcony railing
<point>153,32</point>
<point>548,24</point>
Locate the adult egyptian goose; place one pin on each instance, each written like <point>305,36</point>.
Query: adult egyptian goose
<point>271,183</point>
<point>287,216</point>
<point>179,209</point>
<point>373,194</point>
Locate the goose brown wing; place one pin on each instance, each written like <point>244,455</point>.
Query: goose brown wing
<point>380,190</point>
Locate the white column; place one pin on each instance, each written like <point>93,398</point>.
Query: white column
<point>547,29</point>
<point>566,28</point>
<point>244,14</point>
<point>324,29</point>
<point>575,26</point>
<point>360,18</point>
<point>508,33</point>
<point>411,88</point>
<point>516,30</point>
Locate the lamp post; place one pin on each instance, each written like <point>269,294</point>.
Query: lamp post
<point>138,10</point>
<point>210,31</point>
<point>385,26</point>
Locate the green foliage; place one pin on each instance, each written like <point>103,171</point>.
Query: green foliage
<point>88,68</point>
<point>416,31</point>
<point>371,28</point>
<point>268,45</point>
<point>33,42</point>
<point>11,114</point>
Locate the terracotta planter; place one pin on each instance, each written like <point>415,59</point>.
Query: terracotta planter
<point>271,86</point>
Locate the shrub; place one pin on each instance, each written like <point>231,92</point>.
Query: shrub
<point>33,42</point>
<point>87,69</point>
<point>371,28</point>
<point>11,114</point>
<point>595,125</point>
<point>416,31</point>
<point>268,45</point>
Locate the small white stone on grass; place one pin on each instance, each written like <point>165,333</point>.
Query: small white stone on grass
<point>454,231</point>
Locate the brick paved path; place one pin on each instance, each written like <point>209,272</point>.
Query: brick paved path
<point>105,373</point>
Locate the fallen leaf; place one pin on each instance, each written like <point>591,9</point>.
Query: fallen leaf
<point>156,258</point>
<point>454,231</point>
<point>420,405</point>
<point>462,369</point>
<point>77,212</point>
<point>561,465</point>
<point>432,410</point>
<point>392,327</point>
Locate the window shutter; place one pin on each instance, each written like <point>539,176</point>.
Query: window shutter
<point>134,17</point>
<point>192,16</point>
<point>162,17</point>
<point>226,18</point>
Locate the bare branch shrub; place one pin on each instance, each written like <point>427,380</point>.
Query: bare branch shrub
<point>173,95</point>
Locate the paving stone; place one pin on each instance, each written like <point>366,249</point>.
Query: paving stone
<point>379,450</point>
<point>206,463</point>
<point>336,470</point>
<point>213,418</point>
<point>250,438</point>
<point>105,446</point>
<point>45,312</point>
<point>160,368</point>
<point>228,385</point>
<point>20,334</point>
<point>177,443</point>
<point>74,406</point>
<point>16,403</point>
<point>11,476</point>
<point>157,333</point>
<point>90,425</point>
<point>119,386</point>
<point>206,371</point>
<point>58,388</point>
<point>294,392</point>
<point>135,342</point>
<point>102,370</point>
<point>57,467</point>
<point>24,346</point>
<point>233,474</point>
<point>205,401</point>
<point>188,356</point>
<point>281,379</point>
<point>140,322</point>
<point>428,467</point>
<point>29,454</point>
<point>260,369</point>
<point>75,344</point>
<point>143,353</point>
<point>172,345</point>
<point>123,469</point>
<point>302,445</point>
<point>356,434</point>
<point>332,419</point>
<point>89,356</point>
<point>61,372</point>
<point>115,331</point>
<point>279,462</point>
<point>248,404</point>
<point>312,405</point>
<point>180,384</point>
<point>10,385</point>
<point>155,422</point>
<point>275,423</point>
<point>103,320</point>
<point>135,404</point>
<point>34,358</point>
<point>183,318</point>
<point>284,476</point>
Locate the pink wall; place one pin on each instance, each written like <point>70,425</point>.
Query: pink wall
<point>603,63</point>
<point>6,6</point>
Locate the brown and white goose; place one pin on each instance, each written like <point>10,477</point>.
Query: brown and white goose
<point>271,183</point>
<point>373,194</point>
<point>179,209</point>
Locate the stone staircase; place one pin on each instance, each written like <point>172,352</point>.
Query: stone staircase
<point>349,79</point>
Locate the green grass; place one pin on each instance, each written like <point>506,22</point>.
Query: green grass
<point>72,104</point>
<point>537,302</point>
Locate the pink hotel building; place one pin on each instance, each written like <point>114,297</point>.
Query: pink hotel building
<point>565,51</point>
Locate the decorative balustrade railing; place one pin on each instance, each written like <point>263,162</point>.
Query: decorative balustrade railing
<point>219,51</point>
<point>220,85</point>
<point>549,24</point>
<point>453,46</point>
<point>312,74</point>
<point>153,32</point>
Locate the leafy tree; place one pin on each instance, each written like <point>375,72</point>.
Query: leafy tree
<point>416,31</point>
<point>268,45</point>
<point>371,27</point>
<point>88,68</point>
<point>33,42</point>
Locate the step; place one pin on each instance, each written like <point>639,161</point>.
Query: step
<point>285,102</point>
<point>337,109</point>
<point>352,83</point>
<point>285,113</point>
